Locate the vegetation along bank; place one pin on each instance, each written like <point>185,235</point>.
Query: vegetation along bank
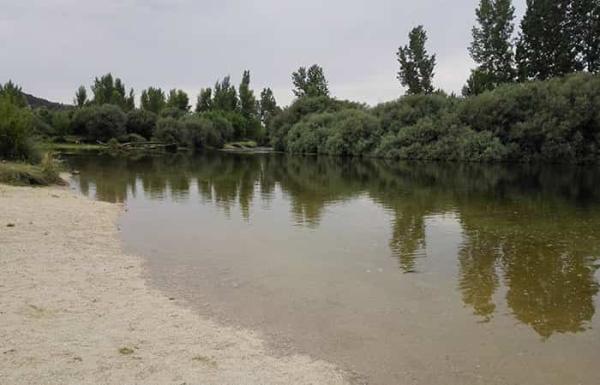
<point>535,97</point>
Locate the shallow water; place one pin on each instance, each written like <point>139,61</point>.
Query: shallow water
<point>405,273</point>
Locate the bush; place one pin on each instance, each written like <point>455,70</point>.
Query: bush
<point>301,109</point>
<point>203,133</point>
<point>141,122</point>
<point>16,130</point>
<point>171,131</point>
<point>99,123</point>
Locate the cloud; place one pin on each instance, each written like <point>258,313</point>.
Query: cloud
<point>51,47</point>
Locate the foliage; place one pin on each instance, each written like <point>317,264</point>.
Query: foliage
<point>550,121</point>
<point>300,109</point>
<point>268,108</point>
<point>348,132</point>
<point>492,47</point>
<point>171,131</point>
<point>23,174</point>
<point>203,132</point>
<point>13,93</point>
<point>204,102</point>
<point>141,122</point>
<point>416,65</point>
<point>178,99</point>
<point>225,96</point>
<point>16,131</point>
<point>109,90</point>
<point>80,97</point>
<point>153,100</point>
<point>247,100</point>
<point>311,83</point>
<point>103,123</point>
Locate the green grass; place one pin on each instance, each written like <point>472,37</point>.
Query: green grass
<point>249,144</point>
<point>24,174</point>
<point>72,147</point>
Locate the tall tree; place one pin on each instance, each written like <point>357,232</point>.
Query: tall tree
<point>225,96</point>
<point>80,97</point>
<point>178,99</point>
<point>13,93</point>
<point>153,99</point>
<point>268,106</point>
<point>247,99</point>
<point>585,24</point>
<point>492,47</point>
<point>311,83</point>
<point>546,46</point>
<point>204,102</point>
<point>416,65</point>
<point>108,90</point>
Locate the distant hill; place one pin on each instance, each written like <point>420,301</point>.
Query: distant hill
<point>35,102</point>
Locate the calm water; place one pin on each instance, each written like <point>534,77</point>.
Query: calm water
<point>401,272</point>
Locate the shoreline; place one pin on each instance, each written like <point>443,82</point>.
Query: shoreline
<point>78,310</point>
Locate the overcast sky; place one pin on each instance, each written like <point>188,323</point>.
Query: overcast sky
<point>50,47</point>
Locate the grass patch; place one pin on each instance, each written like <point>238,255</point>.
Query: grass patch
<point>205,360</point>
<point>245,145</point>
<point>126,351</point>
<point>24,174</point>
<point>72,147</point>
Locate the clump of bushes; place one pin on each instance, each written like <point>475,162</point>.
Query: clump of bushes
<point>16,132</point>
<point>551,121</point>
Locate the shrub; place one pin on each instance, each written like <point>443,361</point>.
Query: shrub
<point>16,131</point>
<point>141,122</point>
<point>171,131</point>
<point>99,123</point>
<point>203,133</point>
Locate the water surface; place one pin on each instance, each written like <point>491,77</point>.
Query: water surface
<point>405,273</point>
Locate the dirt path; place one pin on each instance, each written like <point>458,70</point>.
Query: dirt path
<point>75,310</point>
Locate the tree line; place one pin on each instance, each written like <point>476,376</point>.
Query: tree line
<point>533,96</point>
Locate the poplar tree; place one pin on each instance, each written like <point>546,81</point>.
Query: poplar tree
<point>247,99</point>
<point>153,99</point>
<point>546,46</point>
<point>311,82</point>
<point>586,30</point>
<point>204,102</point>
<point>80,97</point>
<point>492,48</point>
<point>416,65</point>
<point>178,99</point>
<point>268,106</point>
<point>225,96</point>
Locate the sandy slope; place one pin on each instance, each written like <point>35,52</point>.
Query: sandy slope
<point>75,310</point>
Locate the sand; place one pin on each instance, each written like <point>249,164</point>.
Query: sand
<point>75,309</point>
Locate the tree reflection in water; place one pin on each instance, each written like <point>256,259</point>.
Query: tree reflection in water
<point>530,229</point>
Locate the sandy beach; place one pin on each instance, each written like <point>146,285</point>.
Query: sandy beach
<point>75,309</point>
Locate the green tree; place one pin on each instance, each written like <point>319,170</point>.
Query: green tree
<point>416,65</point>
<point>178,99</point>
<point>15,129</point>
<point>585,23</point>
<point>311,83</point>
<point>141,122</point>
<point>80,97</point>
<point>105,122</point>
<point>492,47</point>
<point>204,102</point>
<point>247,99</point>
<point>268,106</point>
<point>13,93</point>
<point>153,100</point>
<point>546,46</point>
<point>109,90</point>
<point>225,96</point>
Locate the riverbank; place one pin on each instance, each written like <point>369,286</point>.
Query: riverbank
<point>76,310</point>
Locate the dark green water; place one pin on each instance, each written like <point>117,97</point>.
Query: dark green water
<point>402,272</point>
